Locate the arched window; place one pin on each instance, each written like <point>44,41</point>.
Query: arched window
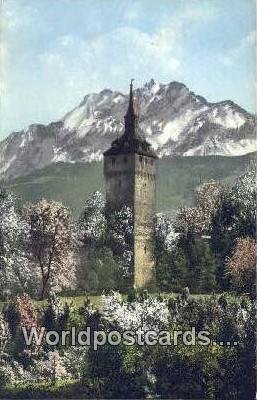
<point>113,161</point>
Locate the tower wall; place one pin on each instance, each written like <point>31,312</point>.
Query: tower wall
<point>130,180</point>
<point>119,171</point>
<point>144,209</point>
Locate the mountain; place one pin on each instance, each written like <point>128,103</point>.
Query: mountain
<point>175,120</point>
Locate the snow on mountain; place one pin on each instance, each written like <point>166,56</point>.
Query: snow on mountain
<point>175,120</point>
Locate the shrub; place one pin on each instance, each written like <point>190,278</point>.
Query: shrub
<point>242,265</point>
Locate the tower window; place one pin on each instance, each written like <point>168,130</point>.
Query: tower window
<point>113,161</point>
<point>119,183</point>
<point>145,249</point>
<point>125,159</point>
<point>140,158</point>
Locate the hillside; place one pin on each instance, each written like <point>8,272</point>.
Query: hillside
<point>176,179</point>
<point>175,120</point>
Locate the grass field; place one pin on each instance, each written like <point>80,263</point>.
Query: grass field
<point>78,301</point>
<point>96,300</point>
<point>176,179</point>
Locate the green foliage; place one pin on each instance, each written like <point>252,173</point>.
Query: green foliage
<point>191,263</point>
<point>50,244</point>
<point>208,234</point>
<point>107,270</point>
<point>99,270</point>
<point>106,256</point>
<point>186,372</point>
<point>213,372</point>
<point>243,198</point>
<point>55,316</point>
<point>106,246</point>
<point>119,369</point>
<point>242,266</point>
<point>62,389</point>
<point>172,271</point>
<point>234,219</point>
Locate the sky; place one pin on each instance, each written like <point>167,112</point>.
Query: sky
<point>54,52</point>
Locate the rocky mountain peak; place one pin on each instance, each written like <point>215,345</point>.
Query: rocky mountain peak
<point>174,119</point>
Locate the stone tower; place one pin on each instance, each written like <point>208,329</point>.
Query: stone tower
<point>130,173</point>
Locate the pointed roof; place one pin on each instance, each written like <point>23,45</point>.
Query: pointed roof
<point>131,101</point>
<point>131,119</point>
<point>131,142</point>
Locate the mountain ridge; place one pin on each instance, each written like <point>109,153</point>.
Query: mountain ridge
<point>176,121</point>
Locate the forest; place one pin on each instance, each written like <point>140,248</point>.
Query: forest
<point>205,279</point>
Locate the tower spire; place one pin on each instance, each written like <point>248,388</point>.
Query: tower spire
<point>130,117</point>
<point>131,101</point>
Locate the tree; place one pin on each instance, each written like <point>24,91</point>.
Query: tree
<point>14,267</point>
<point>20,313</point>
<point>145,313</point>
<point>49,366</point>
<point>208,196</point>
<point>92,222</point>
<point>165,235</point>
<point>171,265</point>
<point>126,379</point>
<point>120,240</point>
<point>243,199</point>
<point>185,258</point>
<point>4,333</point>
<point>172,270</point>
<point>107,270</point>
<point>223,239</point>
<point>91,234</point>
<point>51,244</point>
<point>197,220</point>
<point>190,220</point>
<point>179,270</point>
<point>201,264</point>
<point>56,315</point>
<point>242,264</point>
<point>234,218</point>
